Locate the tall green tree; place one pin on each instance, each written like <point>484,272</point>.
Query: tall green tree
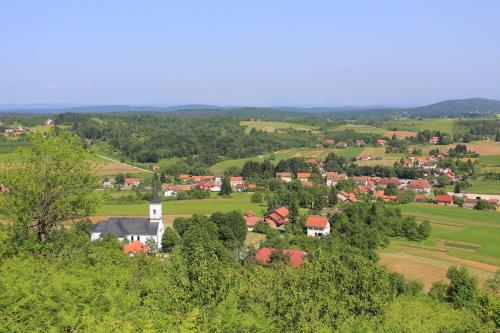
<point>226,187</point>
<point>50,183</point>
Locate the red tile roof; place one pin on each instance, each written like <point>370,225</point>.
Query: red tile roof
<point>444,198</point>
<point>316,221</point>
<point>135,247</point>
<point>130,181</point>
<point>283,174</point>
<point>236,179</point>
<point>303,175</point>
<point>184,176</point>
<point>263,255</point>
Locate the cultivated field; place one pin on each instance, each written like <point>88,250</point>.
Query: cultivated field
<point>359,129</point>
<point>271,126</point>
<point>438,124</point>
<point>485,148</point>
<point>459,236</point>
<point>400,135</point>
<point>387,160</point>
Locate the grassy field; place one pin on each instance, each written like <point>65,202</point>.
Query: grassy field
<point>459,236</point>
<point>316,153</point>
<point>400,134</point>
<point>359,129</point>
<point>484,186</point>
<point>490,163</point>
<point>439,124</point>
<point>387,159</point>
<point>271,126</point>
<point>484,148</point>
<point>237,201</point>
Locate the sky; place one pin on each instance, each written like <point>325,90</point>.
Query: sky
<point>253,53</point>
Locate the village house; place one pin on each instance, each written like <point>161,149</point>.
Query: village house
<point>444,200</point>
<point>329,142</point>
<point>107,184</point>
<point>251,187</point>
<point>332,178</point>
<point>317,225</point>
<point>48,121</point>
<point>365,158</point>
<point>135,248</point>
<point>184,177</point>
<point>131,229</point>
<point>251,220</point>
<point>277,217</point>
<point>264,256</point>
<point>383,182</point>
<point>303,176</point>
<point>236,182</point>
<point>132,182</point>
<point>434,140</point>
<point>284,176</point>
<point>382,142</point>
<point>419,186</point>
<point>342,196</point>
<point>342,144</point>
<point>155,167</point>
<point>379,195</point>
<point>360,143</point>
<point>312,161</point>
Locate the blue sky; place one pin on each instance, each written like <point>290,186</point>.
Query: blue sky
<point>302,53</point>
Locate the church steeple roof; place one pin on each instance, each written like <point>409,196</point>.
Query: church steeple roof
<point>155,198</point>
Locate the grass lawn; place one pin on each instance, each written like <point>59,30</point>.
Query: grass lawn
<point>237,201</point>
<point>489,163</point>
<point>271,126</point>
<point>254,238</point>
<point>360,129</point>
<point>484,186</point>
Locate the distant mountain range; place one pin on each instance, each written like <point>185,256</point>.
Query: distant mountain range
<point>450,108</point>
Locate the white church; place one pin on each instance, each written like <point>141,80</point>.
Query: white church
<point>131,228</point>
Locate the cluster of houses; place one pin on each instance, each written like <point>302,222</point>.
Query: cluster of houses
<point>344,144</point>
<point>20,129</point>
<point>315,225</point>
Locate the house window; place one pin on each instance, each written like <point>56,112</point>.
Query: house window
<point>154,211</point>
<point>131,238</point>
<point>138,238</point>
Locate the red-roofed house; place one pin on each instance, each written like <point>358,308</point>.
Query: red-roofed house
<point>444,200</point>
<point>184,177</point>
<point>284,176</point>
<point>382,142</point>
<point>419,185</point>
<point>330,142</point>
<point>132,182</point>
<point>236,181</point>
<point>303,176</point>
<point>317,225</point>
<point>312,161</point>
<point>136,247</point>
<point>434,140</point>
<point>360,143</point>
<point>264,255</point>
<point>251,220</point>
<point>277,217</point>
<point>342,144</point>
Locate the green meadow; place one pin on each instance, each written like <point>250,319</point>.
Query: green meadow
<point>360,129</point>
<point>463,233</point>
<point>271,126</point>
<point>237,201</point>
<point>438,124</point>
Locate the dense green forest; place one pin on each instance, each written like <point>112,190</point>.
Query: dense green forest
<point>148,138</point>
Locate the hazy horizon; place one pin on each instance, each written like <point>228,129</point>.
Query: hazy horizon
<point>284,53</point>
